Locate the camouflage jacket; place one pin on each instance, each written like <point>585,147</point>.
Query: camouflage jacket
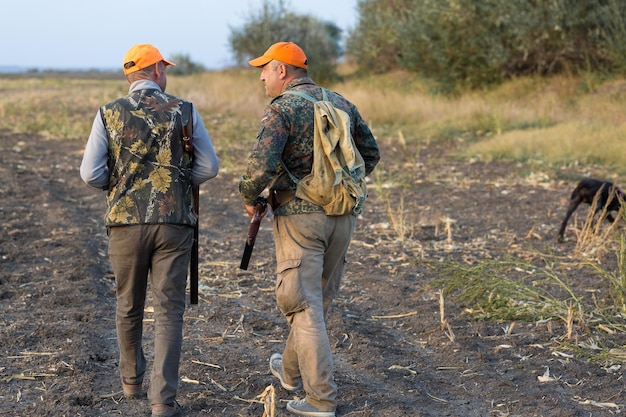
<point>286,137</point>
<point>150,173</point>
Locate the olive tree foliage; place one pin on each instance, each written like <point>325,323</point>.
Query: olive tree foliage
<point>375,42</point>
<point>321,41</point>
<point>474,43</point>
<point>184,65</point>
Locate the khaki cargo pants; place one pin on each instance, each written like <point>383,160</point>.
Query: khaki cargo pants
<point>310,254</point>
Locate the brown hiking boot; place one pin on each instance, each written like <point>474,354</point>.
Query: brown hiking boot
<point>166,410</point>
<point>132,391</point>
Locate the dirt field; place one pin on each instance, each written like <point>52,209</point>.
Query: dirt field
<point>58,354</point>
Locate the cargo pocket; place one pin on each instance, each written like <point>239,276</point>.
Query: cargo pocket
<point>290,296</point>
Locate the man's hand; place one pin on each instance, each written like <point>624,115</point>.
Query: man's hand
<point>250,210</point>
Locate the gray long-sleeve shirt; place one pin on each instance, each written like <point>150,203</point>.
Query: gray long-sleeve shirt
<point>94,170</point>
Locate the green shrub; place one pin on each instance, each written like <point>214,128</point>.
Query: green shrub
<point>320,40</point>
<point>477,43</point>
<point>185,66</point>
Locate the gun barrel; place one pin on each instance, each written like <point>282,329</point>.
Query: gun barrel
<point>193,265</point>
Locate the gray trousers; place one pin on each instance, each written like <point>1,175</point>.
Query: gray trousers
<point>310,254</point>
<point>161,254</point>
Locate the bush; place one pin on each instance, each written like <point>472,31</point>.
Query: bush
<point>375,43</point>
<point>469,43</point>
<point>184,66</point>
<point>320,40</point>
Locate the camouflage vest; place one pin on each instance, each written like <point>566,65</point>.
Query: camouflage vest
<point>150,173</point>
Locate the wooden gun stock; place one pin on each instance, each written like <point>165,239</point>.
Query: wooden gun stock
<point>259,208</point>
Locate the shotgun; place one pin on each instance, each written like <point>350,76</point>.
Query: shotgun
<point>193,264</point>
<point>259,208</point>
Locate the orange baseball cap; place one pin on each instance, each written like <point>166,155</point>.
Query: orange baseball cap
<point>141,56</point>
<point>286,52</point>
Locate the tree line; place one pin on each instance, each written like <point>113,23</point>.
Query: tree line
<point>457,44</point>
<point>477,43</point>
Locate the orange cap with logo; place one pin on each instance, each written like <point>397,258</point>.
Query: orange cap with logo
<point>286,52</point>
<point>141,56</point>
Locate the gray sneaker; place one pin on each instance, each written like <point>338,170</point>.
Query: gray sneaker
<point>276,367</point>
<point>303,408</point>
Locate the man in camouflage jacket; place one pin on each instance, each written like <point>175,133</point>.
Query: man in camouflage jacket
<point>310,246</point>
<point>136,153</point>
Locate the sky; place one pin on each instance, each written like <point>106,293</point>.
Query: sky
<point>86,34</point>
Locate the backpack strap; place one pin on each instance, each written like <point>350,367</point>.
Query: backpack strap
<point>291,176</point>
<point>306,96</point>
<point>301,94</point>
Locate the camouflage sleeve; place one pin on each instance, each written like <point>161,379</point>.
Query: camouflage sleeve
<point>265,156</point>
<point>365,142</point>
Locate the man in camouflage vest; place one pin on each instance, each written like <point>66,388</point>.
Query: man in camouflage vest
<point>136,153</point>
<point>310,245</point>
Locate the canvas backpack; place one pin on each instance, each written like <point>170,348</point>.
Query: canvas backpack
<point>337,178</point>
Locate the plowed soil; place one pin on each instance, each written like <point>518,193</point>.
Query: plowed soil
<point>395,355</point>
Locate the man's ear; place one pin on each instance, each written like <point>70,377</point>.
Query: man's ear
<point>158,67</point>
<point>282,70</point>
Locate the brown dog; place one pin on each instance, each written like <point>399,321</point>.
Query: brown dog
<point>585,192</point>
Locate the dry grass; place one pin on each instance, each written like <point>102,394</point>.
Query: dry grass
<point>53,107</point>
<point>559,124</point>
<point>556,121</point>
<point>593,240</point>
<point>64,108</point>
<point>566,142</point>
